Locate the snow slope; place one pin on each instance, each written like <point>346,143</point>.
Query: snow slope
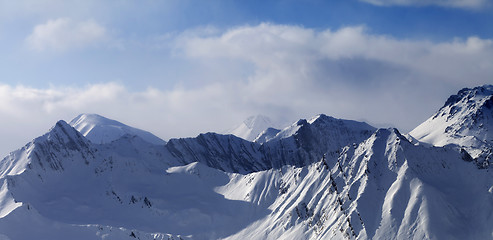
<point>322,178</point>
<point>266,135</point>
<point>383,188</point>
<point>66,187</point>
<point>63,186</point>
<point>465,120</point>
<point>99,129</point>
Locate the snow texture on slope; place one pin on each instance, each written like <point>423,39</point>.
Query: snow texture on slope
<point>465,120</point>
<point>62,184</point>
<point>100,130</point>
<point>266,135</point>
<point>383,188</point>
<point>305,142</point>
<point>70,188</point>
<point>324,178</point>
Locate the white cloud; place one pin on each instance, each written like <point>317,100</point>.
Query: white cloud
<point>63,33</point>
<point>299,51</point>
<point>29,112</point>
<point>286,72</point>
<point>467,4</point>
<point>348,73</point>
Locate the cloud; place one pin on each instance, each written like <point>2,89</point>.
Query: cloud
<point>28,112</point>
<point>467,4</point>
<point>63,34</point>
<point>348,72</point>
<point>301,52</point>
<point>282,71</point>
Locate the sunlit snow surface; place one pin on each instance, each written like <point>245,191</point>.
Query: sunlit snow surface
<point>322,178</point>
<point>99,129</point>
<point>466,120</point>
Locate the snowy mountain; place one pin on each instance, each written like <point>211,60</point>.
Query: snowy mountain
<point>99,129</point>
<point>305,142</point>
<point>224,152</point>
<point>465,120</point>
<point>266,135</point>
<point>300,144</point>
<point>323,178</point>
<point>383,188</point>
<point>252,127</point>
<point>64,187</point>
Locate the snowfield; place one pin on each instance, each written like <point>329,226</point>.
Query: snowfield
<point>323,178</point>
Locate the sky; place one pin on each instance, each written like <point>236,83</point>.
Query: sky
<point>177,68</point>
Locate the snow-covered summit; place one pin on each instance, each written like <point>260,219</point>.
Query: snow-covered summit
<point>40,152</point>
<point>266,135</point>
<point>306,141</point>
<point>99,129</point>
<point>329,126</point>
<point>327,179</point>
<point>469,113</point>
<point>252,127</point>
<point>465,120</point>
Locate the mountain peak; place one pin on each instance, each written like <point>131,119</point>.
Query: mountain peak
<point>468,113</point>
<point>99,129</point>
<point>62,131</point>
<point>320,117</point>
<point>60,124</point>
<point>266,135</point>
<point>255,120</point>
<point>92,118</point>
<point>326,125</point>
<point>466,120</point>
<point>323,178</point>
<point>389,133</point>
<point>251,127</point>
<point>43,150</point>
<point>470,94</point>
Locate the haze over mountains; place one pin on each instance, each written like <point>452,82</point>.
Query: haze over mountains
<point>322,178</point>
<point>252,127</point>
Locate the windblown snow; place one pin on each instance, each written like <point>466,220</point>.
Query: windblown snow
<point>322,178</point>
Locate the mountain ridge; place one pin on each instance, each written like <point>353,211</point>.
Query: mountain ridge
<point>322,178</point>
<point>465,120</point>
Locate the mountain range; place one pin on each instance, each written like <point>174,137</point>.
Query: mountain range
<point>318,178</point>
